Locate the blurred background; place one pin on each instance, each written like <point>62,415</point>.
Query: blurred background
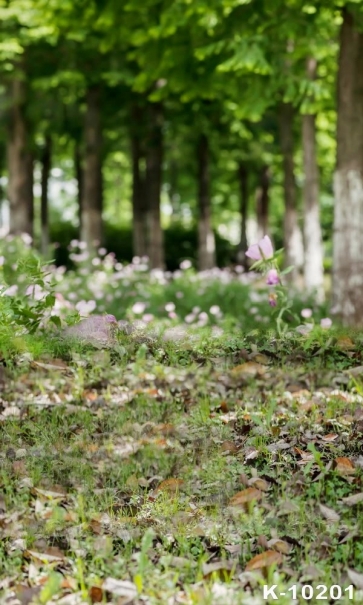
<point>175,130</point>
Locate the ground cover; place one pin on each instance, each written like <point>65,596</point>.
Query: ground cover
<point>201,465</point>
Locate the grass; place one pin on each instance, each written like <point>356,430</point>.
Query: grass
<point>124,465</point>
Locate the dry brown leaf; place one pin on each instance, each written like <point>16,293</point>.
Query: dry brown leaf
<point>96,594</point>
<point>328,513</point>
<point>246,496</point>
<point>345,343</point>
<point>250,369</point>
<point>49,494</point>
<point>120,588</point>
<point>54,364</point>
<point>44,557</point>
<point>281,546</point>
<point>330,437</point>
<point>260,483</point>
<point>223,569</point>
<point>353,500</point>
<point>171,486</point>
<point>356,578</point>
<point>344,466</point>
<point>265,559</point>
<point>229,446</point>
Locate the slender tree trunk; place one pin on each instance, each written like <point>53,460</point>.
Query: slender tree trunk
<point>20,162</point>
<point>206,241</point>
<point>154,162</point>
<point>78,175</point>
<point>292,236</point>
<point>313,261</point>
<point>46,161</point>
<point>242,174</point>
<point>91,190</point>
<point>139,202</point>
<point>348,181</point>
<point>263,201</point>
<point>173,191</point>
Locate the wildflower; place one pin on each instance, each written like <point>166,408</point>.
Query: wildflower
<point>147,317</point>
<point>263,250</point>
<point>272,278</point>
<point>214,310</point>
<point>185,264</point>
<point>138,308</point>
<point>326,322</point>
<point>272,299</point>
<point>170,307</point>
<point>2,260</point>
<point>306,313</point>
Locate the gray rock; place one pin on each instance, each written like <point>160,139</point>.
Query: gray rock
<point>96,330</point>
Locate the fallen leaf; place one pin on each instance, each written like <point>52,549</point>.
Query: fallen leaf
<point>260,483</point>
<point>330,437</point>
<point>223,569</point>
<point>246,496</point>
<point>96,594</point>
<point>120,588</point>
<point>250,369</point>
<point>280,546</point>
<point>43,557</point>
<point>54,364</point>
<point>171,486</point>
<point>265,559</point>
<point>356,578</point>
<point>344,466</point>
<point>229,446</point>
<point>345,343</point>
<point>328,513</point>
<point>353,500</point>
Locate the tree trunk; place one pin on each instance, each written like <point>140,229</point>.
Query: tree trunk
<point>139,205</point>
<point>348,181</point>
<point>206,241</point>
<point>46,160</point>
<point>243,186</point>
<point>20,162</point>
<point>78,175</point>
<point>292,236</point>
<point>262,201</point>
<point>91,201</point>
<point>174,196</point>
<point>313,261</point>
<point>154,161</point>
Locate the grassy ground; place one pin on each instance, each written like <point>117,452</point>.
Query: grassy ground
<point>183,473</point>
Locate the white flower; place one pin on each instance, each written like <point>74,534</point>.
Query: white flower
<point>138,308</point>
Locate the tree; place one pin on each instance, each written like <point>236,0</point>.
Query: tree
<point>348,180</point>
<point>313,261</point>
<point>91,202</point>
<point>19,157</point>
<point>206,242</point>
<point>46,164</point>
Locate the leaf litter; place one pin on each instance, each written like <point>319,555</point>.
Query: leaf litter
<point>135,481</point>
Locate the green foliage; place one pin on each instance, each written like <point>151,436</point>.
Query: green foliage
<point>27,292</point>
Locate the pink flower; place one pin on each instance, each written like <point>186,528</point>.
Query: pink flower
<point>272,278</point>
<point>263,250</point>
<point>326,322</point>
<point>306,313</point>
<point>138,308</point>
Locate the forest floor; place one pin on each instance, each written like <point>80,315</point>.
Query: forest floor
<point>204,472</point>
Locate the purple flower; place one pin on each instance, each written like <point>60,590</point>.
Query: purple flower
<point>326,322</point>
<point>272,278</point>
<point>263,250</point>
<point>272,299</point>
<point>306,313</point>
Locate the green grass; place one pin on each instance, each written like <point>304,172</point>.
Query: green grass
<point>82,476</point>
